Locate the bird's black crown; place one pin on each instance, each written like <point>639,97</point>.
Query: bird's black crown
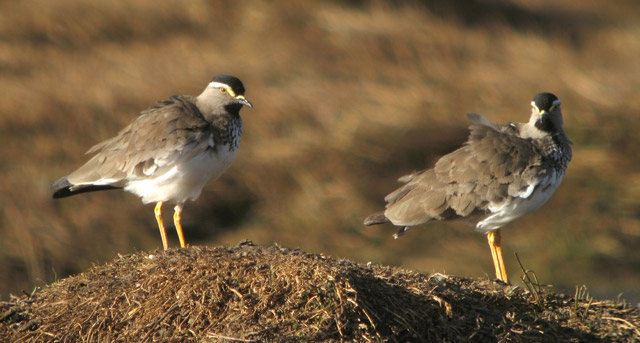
<point>544,101</point>
<point>231,81</point>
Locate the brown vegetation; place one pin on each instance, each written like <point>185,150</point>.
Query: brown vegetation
<point>254,294</point>
<point>348,96</point>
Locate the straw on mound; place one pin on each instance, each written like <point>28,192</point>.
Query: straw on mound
<point>249,293</point>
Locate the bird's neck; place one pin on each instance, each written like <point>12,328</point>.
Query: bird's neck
<point>551,139</point>
<point>233,109</point>
<point>208,109</point>
<point>214,113</point>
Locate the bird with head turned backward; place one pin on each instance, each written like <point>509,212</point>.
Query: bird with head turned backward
<point>169,152</point>
<point>500,173</point>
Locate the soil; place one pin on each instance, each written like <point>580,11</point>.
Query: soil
<point>250,293</point>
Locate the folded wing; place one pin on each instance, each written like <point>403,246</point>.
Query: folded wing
<point>492,165</point>
<point>162,134</point>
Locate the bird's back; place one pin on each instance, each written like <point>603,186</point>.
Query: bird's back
<point>150,150</point>
<point>494,167</point>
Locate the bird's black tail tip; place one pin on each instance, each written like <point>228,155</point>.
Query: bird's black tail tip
<point>63,193</point>
<point>66,190</point>
<point>376,218</point>
<point>62,188</point>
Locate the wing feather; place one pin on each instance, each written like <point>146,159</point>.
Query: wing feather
<point>157,138</point>
<point>493,164</point>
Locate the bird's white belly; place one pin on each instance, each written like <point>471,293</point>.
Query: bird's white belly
<point>518,206</point>
<point>185,180</point>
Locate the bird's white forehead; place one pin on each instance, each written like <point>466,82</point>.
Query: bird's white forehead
<point>214,84</point>
<point>553,104</point>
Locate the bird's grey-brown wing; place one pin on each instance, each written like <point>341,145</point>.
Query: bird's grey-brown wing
<point>493,164</point>
<point>150,142</point>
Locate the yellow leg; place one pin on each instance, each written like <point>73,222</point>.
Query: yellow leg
<point>163,233</point>
<point>503,268</point>
<point>176,220</point>
<point>494,238</point>
<point>491,239</point>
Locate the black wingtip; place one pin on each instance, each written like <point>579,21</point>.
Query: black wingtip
<point>376,218</point>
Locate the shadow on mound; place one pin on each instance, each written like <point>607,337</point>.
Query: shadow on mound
<point>256,294</point>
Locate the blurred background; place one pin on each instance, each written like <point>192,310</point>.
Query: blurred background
<point>348,96</point>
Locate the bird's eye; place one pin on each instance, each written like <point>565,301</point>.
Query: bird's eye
<point>223,90</point>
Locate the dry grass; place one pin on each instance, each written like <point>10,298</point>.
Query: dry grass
<point>254,294</point>
<point>347,98</point>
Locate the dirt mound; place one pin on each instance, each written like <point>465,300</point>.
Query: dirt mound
<point>249,293</point>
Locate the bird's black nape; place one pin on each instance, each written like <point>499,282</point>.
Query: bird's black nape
<point>544,101</point>
<point>231,81</point>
